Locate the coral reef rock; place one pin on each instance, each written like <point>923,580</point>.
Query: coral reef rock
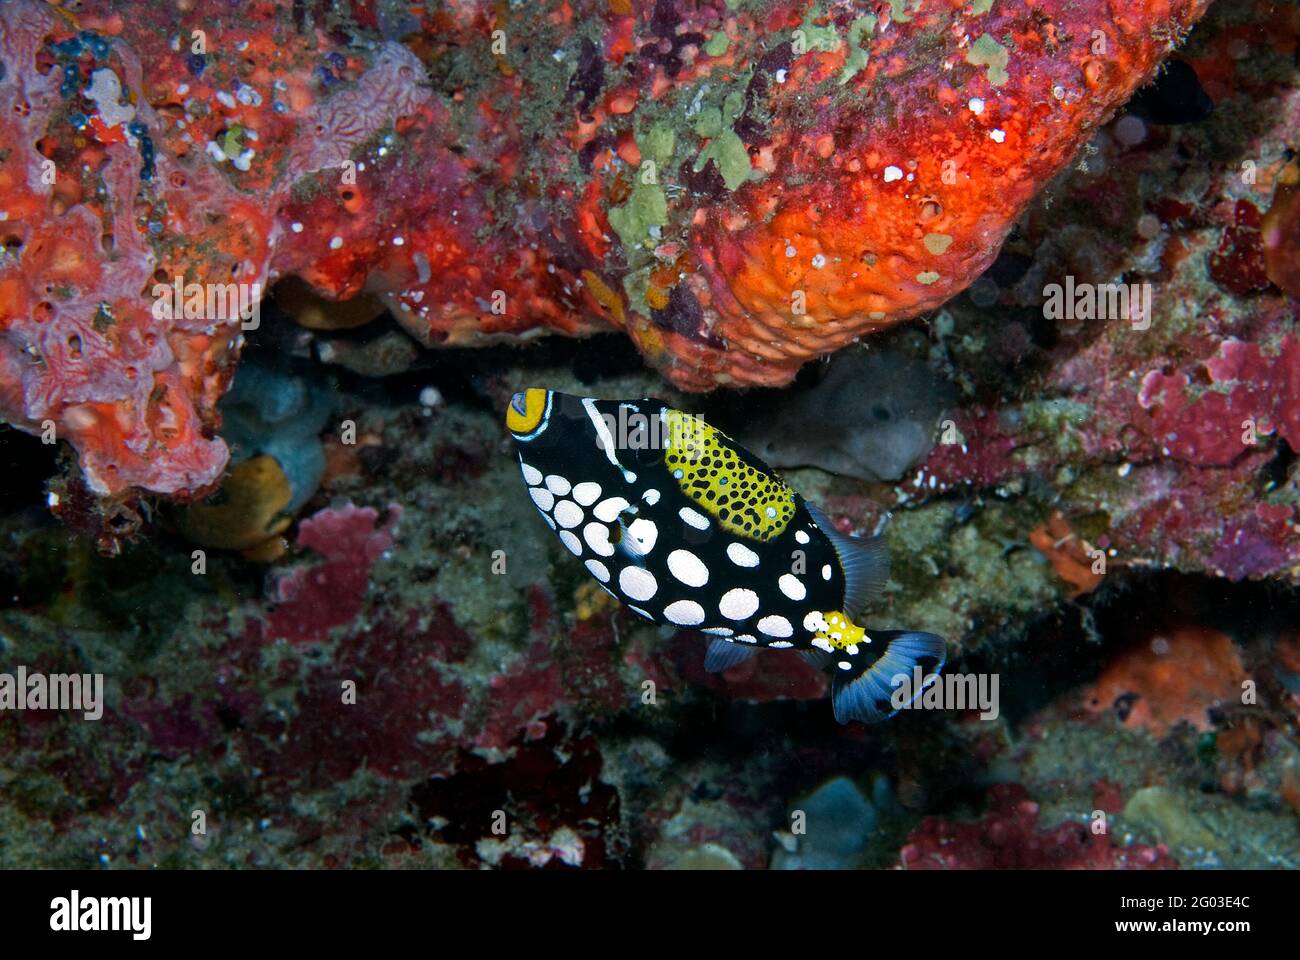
<point>740,185</point>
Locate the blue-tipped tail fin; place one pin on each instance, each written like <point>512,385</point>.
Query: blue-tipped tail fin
<point>865,690</point>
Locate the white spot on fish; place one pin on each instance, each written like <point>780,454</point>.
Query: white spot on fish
<point>814,622</point>
<point>637,583</point>
<point>542,498</point>
<point>608,510</point>
<point>586,493</point>
<point>688,568</point>
<point>651,497</point>
<point>532,475</point>
<point>780,644</point>
<point>826,571</point>
<point>792,586</point>
<point>598,570</point>
<point>801,536</point>
<point>741,555</point>
<point>645,533</point>
<point>747,638</point>
<point>572,542</point>
<point>684,613</point>
<point>568,513</point>
<point>738,604</point>
<point>845,665</point>
<point>718,631</point>
<point>558,485</point>
<point>693,517</point>
<point>775,625</point>
<point>597,537</point>
<point>821,643</point>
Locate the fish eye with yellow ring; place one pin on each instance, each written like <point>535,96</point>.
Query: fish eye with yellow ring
<point>528,413</point>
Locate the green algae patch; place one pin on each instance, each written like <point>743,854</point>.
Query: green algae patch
<point>657,143</point>
<point>927,277</point>
<point>728,151</point>
<point>861,28</point>
<point>937,243</point>
<point>898,10</point>
<point>647,207</point>
<point>725,148</point>
<point>981,7</point>
<point>635,285</point>
<point>987,52</point>
<point>717,45</point>
<point>822,38</point>
<point>232,144</point>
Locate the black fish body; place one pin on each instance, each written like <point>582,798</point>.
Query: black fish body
<point>686,527</point>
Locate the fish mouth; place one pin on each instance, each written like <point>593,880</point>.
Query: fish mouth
<point>527,412</point>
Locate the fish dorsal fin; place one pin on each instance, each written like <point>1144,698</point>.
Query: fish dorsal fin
<point>724,654</point>
<point>865,563</point>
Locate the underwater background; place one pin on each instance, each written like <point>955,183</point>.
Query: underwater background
<point>1009,284</point>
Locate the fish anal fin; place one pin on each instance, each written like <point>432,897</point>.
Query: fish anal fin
<point>724,654</point>
<point>819,659</point>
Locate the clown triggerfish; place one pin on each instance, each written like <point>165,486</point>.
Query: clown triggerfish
<point>686,527</point>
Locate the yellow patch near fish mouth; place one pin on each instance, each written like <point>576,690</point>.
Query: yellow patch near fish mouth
<point>525,412</point>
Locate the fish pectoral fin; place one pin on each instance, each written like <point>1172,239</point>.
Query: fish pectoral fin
<point>621,537</point>
<point>865,563</point>
<point>869,691</point>
<point>724,654</point>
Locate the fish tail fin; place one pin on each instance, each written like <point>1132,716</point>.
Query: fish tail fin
<point>870,691</point>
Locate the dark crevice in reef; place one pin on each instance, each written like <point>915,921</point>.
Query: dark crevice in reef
<point>536,786</point>
<point>1068,647</point>
<point>25,463</point>
<point>736,728</point>
<point>1278,470</point>
<point>460,374</point>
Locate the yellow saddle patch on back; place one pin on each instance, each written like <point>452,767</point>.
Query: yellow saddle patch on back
<point>744,500</point>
